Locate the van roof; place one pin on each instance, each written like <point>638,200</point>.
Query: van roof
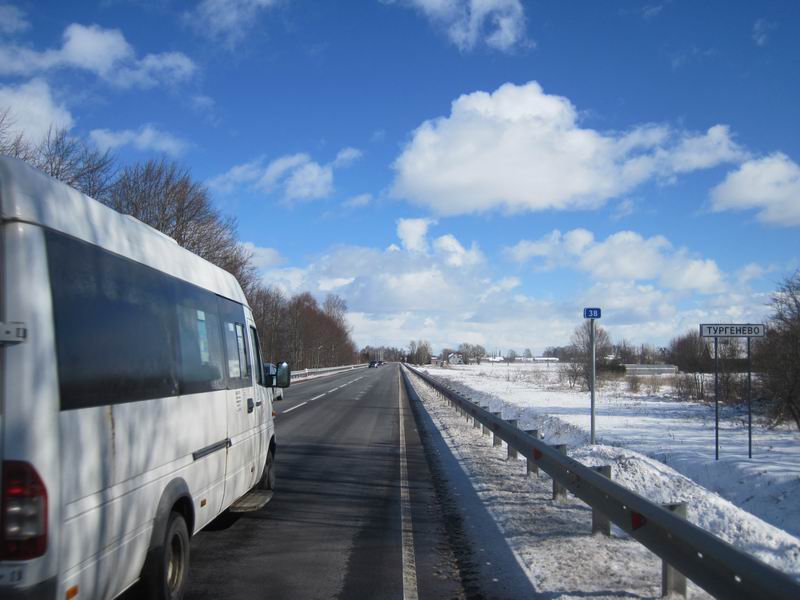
<point>29,196</point>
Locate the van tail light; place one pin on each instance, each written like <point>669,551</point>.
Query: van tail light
<point>23,512</point>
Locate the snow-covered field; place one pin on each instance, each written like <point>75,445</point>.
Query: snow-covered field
<point>676,433</point>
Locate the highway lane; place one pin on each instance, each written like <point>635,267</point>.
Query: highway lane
<point>337,526</point>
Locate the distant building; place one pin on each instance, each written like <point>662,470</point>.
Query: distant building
<point>455,359</point>
<point>650,369</point>
<point>545,359</point>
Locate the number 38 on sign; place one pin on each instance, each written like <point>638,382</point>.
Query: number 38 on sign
<point>591,313</point>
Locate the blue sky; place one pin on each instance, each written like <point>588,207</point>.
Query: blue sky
<point>457,170</point>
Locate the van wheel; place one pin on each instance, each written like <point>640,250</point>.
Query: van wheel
<point>166,571</point>
<point>268,478</point>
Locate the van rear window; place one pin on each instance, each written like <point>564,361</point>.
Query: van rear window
<point>127,332</point>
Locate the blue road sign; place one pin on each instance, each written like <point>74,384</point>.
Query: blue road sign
<point>591,313</point>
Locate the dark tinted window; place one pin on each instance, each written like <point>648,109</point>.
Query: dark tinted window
<point>126,332</point>
<point>236,354</point>
<point>115,326</point>
<point>201,363</point>
<point>257,356</point>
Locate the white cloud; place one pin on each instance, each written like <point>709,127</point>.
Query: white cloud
<point>147,137</point>
<point>346,157</point>
<point>358,201</point>
<point>33,109</point>
<point>624,208</point>
<point>511,149</point>
<point>771,185</point>
<point>454,254</point>
<point>651,11</point>
<point>309,181</point>
<point>263,258</point>
<point>500,24</point>
<point>328,285</point>
<point>227,20</point>
<point>296,176</point>
<point>413,234</point>
<point>623,256</point>
<point>761,31</point>
<point>237,176</point>
<point>12,20</point>
<point>103,52</point>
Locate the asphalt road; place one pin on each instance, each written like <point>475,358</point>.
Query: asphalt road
<point>335,526</point>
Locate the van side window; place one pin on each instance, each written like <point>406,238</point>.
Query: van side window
<point>115,326</point>
<point>257,364</point>
<point>200,342</point>
<point>236,354</point>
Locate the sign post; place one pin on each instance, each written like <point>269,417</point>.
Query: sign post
<point>592,314</point>
<point>746,330</point>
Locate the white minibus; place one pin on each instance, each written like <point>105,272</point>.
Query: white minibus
<point>134,406</point>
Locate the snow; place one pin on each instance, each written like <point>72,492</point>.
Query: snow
<point>663,449</point>
<point>552,541</point>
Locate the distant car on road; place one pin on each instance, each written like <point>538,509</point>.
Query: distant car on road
<point>373,363</point>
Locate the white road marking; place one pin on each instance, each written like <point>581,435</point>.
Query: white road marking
<point>406,526</point>
<point>317,397</point>
<point>291,409</point>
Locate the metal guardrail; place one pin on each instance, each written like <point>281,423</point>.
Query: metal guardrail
<point>304,373</point>
<point>713,564</point>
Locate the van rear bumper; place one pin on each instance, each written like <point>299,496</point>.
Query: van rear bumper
<point>45,590</point>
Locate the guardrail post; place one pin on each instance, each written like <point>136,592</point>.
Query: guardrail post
<point>512,452</point>
<point>600,522</point>
<point>496,441</point>
<point>475,423</point>
<point>532,466</point>
<point>673,582</point>
<point>559,491</point>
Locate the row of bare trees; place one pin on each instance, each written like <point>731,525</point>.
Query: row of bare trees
<point>419,352</point>
<point>385,353</point>
<point>301,331</point>
<point>164,195</point>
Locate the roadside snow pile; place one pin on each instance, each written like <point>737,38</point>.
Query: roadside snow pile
<point>676,433</point>
<point>662,484</point>
<point>552,540</point>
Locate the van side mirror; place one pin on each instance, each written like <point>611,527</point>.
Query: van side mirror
<point>283,376</point>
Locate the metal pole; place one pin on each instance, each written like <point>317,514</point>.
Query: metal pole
<point>591,321</point>
<point>716,396</point>
<point>749,404</point>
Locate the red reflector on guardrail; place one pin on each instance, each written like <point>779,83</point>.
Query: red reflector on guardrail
<point>637,520</point>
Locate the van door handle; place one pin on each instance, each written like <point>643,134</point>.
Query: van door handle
<point>258,403</point>
<point>249,405</point>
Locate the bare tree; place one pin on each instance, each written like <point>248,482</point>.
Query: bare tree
<point>690,353</point>
<point>13,143</point>
<point>63,157</point>
<point>582,348</point>
<point>269,306</point>
<point>74,162</point>
<point>164,195</point>
<point>778,355</point>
